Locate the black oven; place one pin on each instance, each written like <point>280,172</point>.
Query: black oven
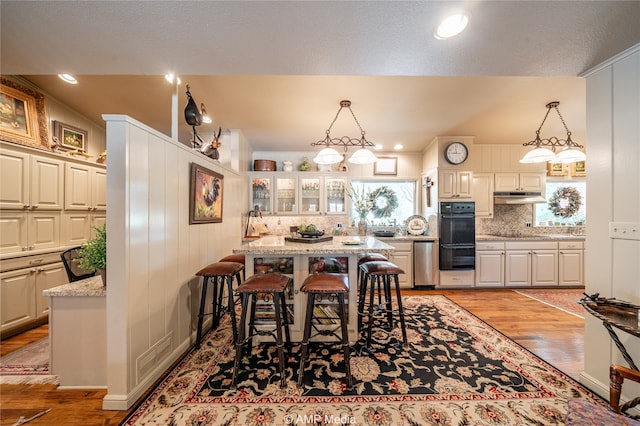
<point>457,224</point>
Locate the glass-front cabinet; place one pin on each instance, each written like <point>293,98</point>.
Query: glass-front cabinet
<point>335,194</point>
<point>286,197</point>
<point>260,193</point>
<point>298,193</point>
<point>310,198</point>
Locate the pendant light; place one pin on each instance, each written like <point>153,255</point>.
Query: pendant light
<point>545,149</point>
<point>329,155</point>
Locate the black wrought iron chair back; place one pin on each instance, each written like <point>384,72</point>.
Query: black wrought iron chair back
<point>74,271</point>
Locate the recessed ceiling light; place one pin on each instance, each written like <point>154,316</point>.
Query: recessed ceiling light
<point>378,147</point>
<point>68,78</point>
<point>398,147</point>
<point>171,78</point>
<point>451,26</point>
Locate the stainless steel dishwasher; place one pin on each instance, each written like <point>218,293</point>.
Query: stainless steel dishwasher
<point>425,264</point>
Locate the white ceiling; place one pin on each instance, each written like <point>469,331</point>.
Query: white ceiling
<point>277,70</point>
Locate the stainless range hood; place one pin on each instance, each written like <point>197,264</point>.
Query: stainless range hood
<point>517,197</point>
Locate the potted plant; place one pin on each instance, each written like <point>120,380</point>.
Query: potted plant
<point>93,253</point>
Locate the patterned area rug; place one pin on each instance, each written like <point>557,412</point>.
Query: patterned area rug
<point>28,365</point>
<point>456,370</point>
<point>563,299</point>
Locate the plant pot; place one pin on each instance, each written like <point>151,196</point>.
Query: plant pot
<point>103,275</point>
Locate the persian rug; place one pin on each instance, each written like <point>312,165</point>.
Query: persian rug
<point>456,370</point>
<point>28,365</point>
<point>563,299</point>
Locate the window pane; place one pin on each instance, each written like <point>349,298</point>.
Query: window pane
<point>544,216</point>
<point>405,192</point>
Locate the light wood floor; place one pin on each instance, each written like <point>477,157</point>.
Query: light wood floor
<point>553,335</point>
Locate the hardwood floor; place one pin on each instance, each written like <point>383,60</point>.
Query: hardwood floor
<point>553,335</point>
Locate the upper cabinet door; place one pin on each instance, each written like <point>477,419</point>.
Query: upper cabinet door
<point>533,182</point>
<point>310,195</point>
<point>14,182</point>
<point>286,197</point>
<point>47,183</point>
<point>260,193</point>
<point>335,195</point>
<point>99,189</point>
<point>77,191</point>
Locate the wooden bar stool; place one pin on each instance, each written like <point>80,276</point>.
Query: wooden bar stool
<point>275,285</point>
<point>381,273</point>
<point>325,284</point>
<point>218,273</point>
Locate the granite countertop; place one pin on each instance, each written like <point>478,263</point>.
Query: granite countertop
<point>278,245</point>
<point>87,287</point>
<point>542,237</point>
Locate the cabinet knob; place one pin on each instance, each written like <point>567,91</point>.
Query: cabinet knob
<point>26,206</point>
<point>89,208</point>
<point>25,248</point>
<point>32,247</point>
<point>35,206</point>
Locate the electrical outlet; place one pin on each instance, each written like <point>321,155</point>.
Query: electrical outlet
<point>624,230</point>
<point>527,224</point>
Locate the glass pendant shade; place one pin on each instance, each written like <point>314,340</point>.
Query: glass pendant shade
<point>538,155</point>
<point>363,156</point>
<point>570,155</point>
<point>328,156</point>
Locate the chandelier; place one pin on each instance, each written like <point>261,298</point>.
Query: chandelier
<point>329,155</point>
<point>545,149</point>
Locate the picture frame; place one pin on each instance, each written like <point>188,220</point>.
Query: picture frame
<point>386,166</point>
<point>23,117</point>
<point>205,195</point>
<point>70,137</point>
<point>557,169</point>
<point>579,169</point>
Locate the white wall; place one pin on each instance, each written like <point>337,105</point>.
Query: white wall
<point>613,188</point>
<point>153,252</point>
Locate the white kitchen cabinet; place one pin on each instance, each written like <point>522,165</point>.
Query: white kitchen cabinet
<point>522,182</point>
<point>30,181</point>
<point>21,284</point>
<point>17,299</point>
<point>85,188</point>
<point>517,268</point>
<point>298,193</point>
<point>570,263</point>
<point>29,231</point>
<point>403,258</point>
<point>531,263</point>
<point>455,184</point>
<point>490,264</point>
<point>482,193</point>
<point>544,267</point>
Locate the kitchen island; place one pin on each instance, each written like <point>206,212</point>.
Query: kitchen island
<point>299,259</point>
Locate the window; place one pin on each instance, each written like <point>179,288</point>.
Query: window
<point>405,192</point>
<point>544,216</point>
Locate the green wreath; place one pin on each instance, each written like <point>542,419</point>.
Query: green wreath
<point>565,202</point>
<point>384,201</point>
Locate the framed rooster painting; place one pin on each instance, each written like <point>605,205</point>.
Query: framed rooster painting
<point>205,195</point>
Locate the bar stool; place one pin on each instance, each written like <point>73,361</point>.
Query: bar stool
<point>218,273</point>
<point>325,284</point>
<point>370,257</point>
<point>238,258</point>
<point>274,284</point>
<point>380,272</point>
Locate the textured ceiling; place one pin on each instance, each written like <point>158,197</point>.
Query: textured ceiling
<point>277,70</point>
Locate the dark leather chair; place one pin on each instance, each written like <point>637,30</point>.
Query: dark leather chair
<point>74,271</point>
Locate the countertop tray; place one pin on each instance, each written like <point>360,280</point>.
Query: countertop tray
<point>309,240</point>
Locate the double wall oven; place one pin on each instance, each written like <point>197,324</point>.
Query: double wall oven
<point>457,224</point>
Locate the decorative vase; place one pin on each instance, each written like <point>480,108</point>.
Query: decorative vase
<point>362,227</point>
<point>103,275</point>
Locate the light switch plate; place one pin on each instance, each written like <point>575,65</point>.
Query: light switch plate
<point>624,230</point>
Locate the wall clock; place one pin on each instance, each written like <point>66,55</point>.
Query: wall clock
<point>456,153</point>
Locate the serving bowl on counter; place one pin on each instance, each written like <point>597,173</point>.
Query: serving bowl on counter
<point>315,234</point>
